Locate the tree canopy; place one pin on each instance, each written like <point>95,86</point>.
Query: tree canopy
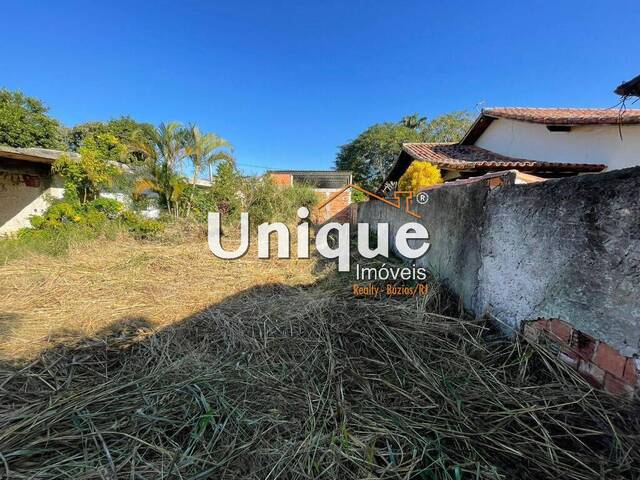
<point>124,129</point>
<point>24,122</point>
<point>372,153</point>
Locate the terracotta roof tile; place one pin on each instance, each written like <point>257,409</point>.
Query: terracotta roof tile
<point>456,156</point>
<point>567,116</point>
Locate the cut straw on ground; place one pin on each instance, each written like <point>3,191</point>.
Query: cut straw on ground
<point>291,379</point>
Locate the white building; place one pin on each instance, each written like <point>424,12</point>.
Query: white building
<point>544,142</point>
<point>569,135</point>
<point>26,183</point>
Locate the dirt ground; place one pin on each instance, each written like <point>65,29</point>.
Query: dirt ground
<point>45,299</point>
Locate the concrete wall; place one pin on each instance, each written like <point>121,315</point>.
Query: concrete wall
<point>24,189</point>
<point>566,248</point>
<point>583,144</point>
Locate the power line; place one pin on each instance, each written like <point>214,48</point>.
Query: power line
<point>256,166</point>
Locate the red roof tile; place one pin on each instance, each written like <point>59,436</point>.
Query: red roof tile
<point>461,157</point>
<point>567,116</point>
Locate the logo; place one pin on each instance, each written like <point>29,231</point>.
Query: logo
<point>333,239</point>
<point>397,196</point>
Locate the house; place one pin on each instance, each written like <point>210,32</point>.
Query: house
<point>545,142</point>
<point>325,183</point>
<point>26,182</point>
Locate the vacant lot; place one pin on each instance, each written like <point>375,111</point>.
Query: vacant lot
<point>46,299</point>
<point>155,360</point>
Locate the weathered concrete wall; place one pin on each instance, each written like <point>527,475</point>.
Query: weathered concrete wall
<point>24,191</point>
<point>567,249</point>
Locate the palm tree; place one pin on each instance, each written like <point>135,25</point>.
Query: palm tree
<point>164,149</point>
<point>414,121</point>
<point>204,150</point>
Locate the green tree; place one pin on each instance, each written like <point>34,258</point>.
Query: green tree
<point>372,153</point>
<point>125,129</point>
<point>90,173</point>
<point>24,122</point>
<point>450,127</point>
<point>204,150</point>
<point>164,149</point>
<point>414,121</point>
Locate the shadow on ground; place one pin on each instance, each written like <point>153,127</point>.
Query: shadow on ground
<point>308,382</point>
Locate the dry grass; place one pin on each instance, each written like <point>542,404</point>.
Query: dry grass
<point>44,299</point>
<point>291,380</point>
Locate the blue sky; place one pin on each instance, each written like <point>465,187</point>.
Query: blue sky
<point>288,82</point>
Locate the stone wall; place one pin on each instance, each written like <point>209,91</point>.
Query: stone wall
<point>566,249</point>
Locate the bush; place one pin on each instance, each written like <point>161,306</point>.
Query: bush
<point>419,175</point>
<point>141,228</point>
<point>268,202</point>
<point>68,221</point>
<point>232,194</point>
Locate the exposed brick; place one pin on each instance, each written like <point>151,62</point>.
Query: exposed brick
<point>583,344</point>
<point>282,178</point>
<point>541,324</point>
<point>592,373</point>
<point>569,357</point>
<point>336,210</point>
<point>630,373</point>
<point>561,330</point>
<point>494,182</point>
<point>610,360</point>
<point>616,386</point>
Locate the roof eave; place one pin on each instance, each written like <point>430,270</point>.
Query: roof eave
<point>37,155</point>
<point>477,129</point>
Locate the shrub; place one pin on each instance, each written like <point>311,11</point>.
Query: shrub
<point>141,228</point>
<point>358,196</point>
<point>110,207</point>
<point>420,175</point>
<point>68,221</point>
<point>268,202</point>
<point>232,194</point>
<point>89,174</point>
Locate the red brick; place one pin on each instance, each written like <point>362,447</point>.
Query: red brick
<point>541,324</point>
<point>630,373</point>
<point>494,182</point>
<point>592,373</point>
<point>561,330</point>
<point>584,345</point>
<point>616,386</point>
<point>610,360</point>
<point>282,178</point>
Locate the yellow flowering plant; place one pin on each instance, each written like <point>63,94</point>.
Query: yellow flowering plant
<point>419,175</point>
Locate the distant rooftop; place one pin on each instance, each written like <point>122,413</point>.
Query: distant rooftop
<point>318,178</point>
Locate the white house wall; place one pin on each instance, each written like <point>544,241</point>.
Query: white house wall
<point>583,144</point>
<point>19,201</point>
